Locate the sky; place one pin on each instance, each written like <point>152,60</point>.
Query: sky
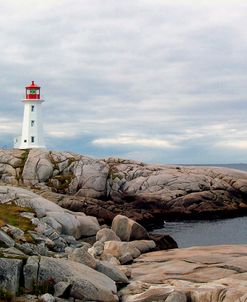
<point>159,81</point>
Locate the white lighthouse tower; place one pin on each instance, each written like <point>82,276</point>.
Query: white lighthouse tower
<point>32,127</point>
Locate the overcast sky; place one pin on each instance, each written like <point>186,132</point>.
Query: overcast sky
<point>153,80</point>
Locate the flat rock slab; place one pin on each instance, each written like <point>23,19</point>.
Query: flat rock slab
<point>210,273</point>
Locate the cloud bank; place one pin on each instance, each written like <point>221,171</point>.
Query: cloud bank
<point>158,81</point>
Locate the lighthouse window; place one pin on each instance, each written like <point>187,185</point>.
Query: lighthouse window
<point>32,139</point>
<point>32,123</point>
<point>32,108</point>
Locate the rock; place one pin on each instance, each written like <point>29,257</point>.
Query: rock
<point>143,246</point>
<point>87,283</point>
<point>81,255</point>
<point>208,273</point>
<point>33,249</point>
<point>143,192</point>
<point>47,298</point>
<point>70,225</point>
<point>176,297</point>
<point>27,199</point>
<point>120,250</point>
<point>52,223</point>
<point>10,271</point>
<point>97,249</point>
<point>37,168</point>
<point>111,271</point>
<point>127,229</point>
<point>61,288</point>
<point>12,252</point>
<point>90,178</point>
<point>14,232</point>
<point>70,240</point>
<point>6,240</point>
<point>143,292</point>
<point>89,226</point>
<point>106,234</point>
<point>163,241</point>
<point>126,258</point>
<point>39,238</point>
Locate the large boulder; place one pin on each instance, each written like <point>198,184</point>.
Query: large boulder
<point>127,229</point>
<point>86,283</point>
<point>10,272</point>
<point>89,225</point>
<point>38,167</point>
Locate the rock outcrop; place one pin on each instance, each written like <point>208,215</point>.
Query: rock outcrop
<point>146,193</point>
<point>48,256</point>
<point>197,274</point>
<point>44,250</point>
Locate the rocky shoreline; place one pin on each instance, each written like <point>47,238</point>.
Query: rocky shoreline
<point>48,253</point>
<point>67,233</point>
<point>146,193</point>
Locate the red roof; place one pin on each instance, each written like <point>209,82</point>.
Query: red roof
<point>33,85</point>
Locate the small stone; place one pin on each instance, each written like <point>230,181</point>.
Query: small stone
<point>126,258</point>
<point>6,239</point>
<point>47,298</point>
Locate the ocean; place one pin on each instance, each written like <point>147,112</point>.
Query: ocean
<point>207,232</point>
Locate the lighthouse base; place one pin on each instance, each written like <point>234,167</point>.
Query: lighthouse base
<point>19,145</point>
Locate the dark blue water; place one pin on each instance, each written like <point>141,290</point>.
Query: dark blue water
<point>209,232</point>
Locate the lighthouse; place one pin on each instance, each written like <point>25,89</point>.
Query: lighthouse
<point>32,127</point>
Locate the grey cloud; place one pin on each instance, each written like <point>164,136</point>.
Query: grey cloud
<point>169,70</point>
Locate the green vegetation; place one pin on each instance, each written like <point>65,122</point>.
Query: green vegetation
<point>64,181</point>
<point>10,214</point>
<point>5,296</point>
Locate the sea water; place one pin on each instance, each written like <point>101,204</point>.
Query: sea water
<point>207,232</point>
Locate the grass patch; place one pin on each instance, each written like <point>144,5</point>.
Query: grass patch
<point>64,181</point>
<point>10,214</point>
<point>5,296</point>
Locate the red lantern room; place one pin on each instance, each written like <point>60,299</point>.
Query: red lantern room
<point>33,92</point>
